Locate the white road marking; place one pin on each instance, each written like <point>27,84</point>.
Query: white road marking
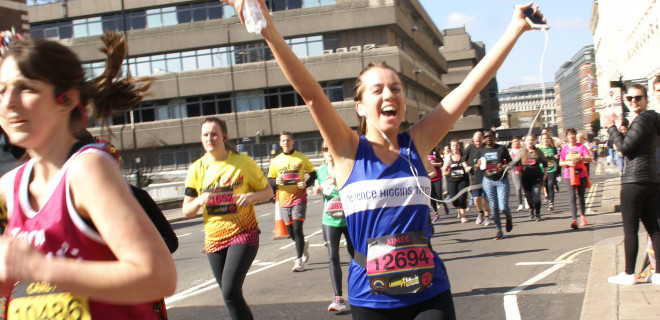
<point>590,198</point>
<point>306,237</point>
<point>212,284</point>
<point>542,263</point>
<point>511,309</point>
<point>265,214</point>
<point>183,235</point>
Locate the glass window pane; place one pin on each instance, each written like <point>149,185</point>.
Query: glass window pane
<point>66,30</point>
<point>144,69</point>
<point>224,106</point>
<point>208,108</point>
<point>162,114</point>
<point>242,104</point>
<point>299,49</point>
<point>288,99</point>
<point>192,109</point>
<point>204,61</point>
<point>189,63</point>
<point>169,16</point>
<point>173,65</point>
<point>315,48</point>
<point>136,20</point>
<point>279,5</point>
<point>256,103</point>
<point>181,158</point>
<point>336,94</point>
<point>327,2</point>
<point>228,11</point>
<point>147,115</point>
<point>95,26</point>
<point>294,4</point>
<point>37,32</point>
<point>79,28</point>
<point>199,12</point>
<point>153,18</point>
<point>310,3</point>
<point>215,10</point>
<point>166,159</point>
<point>220,59</point>
<point>183,13</point>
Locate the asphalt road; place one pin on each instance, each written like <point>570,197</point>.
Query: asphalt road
<point>538,271</point>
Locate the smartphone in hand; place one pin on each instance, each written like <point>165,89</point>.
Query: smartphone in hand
<point>535,21</point>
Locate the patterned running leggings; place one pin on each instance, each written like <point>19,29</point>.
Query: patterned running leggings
<point>497,193</point>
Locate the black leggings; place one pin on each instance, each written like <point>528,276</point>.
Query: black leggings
<point>580,194</point>
<point>436,192</point>
<point>230,266</point>
<point>332,236</point>
<point>453,188</point>
<point>295,230</point>
<point>440,307</point>
<point>550,183</point>
<point>638,201</point>
<point>532,188</point>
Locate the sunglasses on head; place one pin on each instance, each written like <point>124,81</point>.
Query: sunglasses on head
<point>637,98</point>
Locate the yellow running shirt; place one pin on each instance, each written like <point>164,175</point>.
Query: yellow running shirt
<point>223,219</point>
<point>292,169</point>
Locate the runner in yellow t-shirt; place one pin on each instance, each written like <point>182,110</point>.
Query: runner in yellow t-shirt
<point>226,184</point>
<point>287,171</point>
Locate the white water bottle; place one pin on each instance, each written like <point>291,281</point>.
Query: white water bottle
<point>254,20</point>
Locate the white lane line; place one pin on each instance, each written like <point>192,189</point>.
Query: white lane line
<point>183,235</point>
<point>538,263</point>
<point>265,214</point>
<point>306,237</point>
<point>212,284</point>
<point>511,309</point>
<point>590,197</point>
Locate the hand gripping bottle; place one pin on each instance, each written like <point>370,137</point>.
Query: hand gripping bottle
<point>254,20</point>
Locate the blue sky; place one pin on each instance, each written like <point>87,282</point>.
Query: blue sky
<point>486,20</point>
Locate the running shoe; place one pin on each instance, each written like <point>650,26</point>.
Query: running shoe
<point>436,217</point>
<point>509,223</point>
<point>488,221</point>
<point>464,220</point>
<point>537,219</point>
<point>520,207</point>
<point>583,220</point>
<point>305,255</point>
<point>653,278</point>
<point>498,235</point>
<point>480,218</point>
<point>337,305</point>
<point>551,206</point>
<point>622,278</point>
<point>446,208</point>
<point>531,215</point>
<point>298,265</point>
<point>574,224</point>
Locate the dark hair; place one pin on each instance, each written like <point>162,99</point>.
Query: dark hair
<point>571,130</point>
<point>56,64</point>
<point>358,90</point>
<point>223,128</point>
<point>639,87</point>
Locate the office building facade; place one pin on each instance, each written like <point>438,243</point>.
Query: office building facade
<point>520,105</point>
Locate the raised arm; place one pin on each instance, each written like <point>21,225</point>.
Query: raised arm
<point>341,140</point>
<point>431,129</point>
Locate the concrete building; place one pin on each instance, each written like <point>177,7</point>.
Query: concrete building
<point>576,92</point>
<point>13,14</point>
<point>520,105</point>
<point>206,64</point>
<point>626,44</point>
<point>462,56</point>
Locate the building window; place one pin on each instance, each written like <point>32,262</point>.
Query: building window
<point>250,100</point>
<point>87,27</point>
<point>161,17</point>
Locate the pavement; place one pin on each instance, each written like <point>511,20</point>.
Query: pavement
<point>602,300</point>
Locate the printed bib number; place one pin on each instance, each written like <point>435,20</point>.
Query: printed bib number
<point>334,209</point>
<point>290,177</point>
<point>222,201</point>
<point>491,168</point>
<point>457,174</point>
<point>530,162</point>
<point>399,264</point>
<point>40,300</point>
<point>551,163</point>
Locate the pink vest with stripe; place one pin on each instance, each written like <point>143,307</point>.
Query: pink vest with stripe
<point>58,231</point>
